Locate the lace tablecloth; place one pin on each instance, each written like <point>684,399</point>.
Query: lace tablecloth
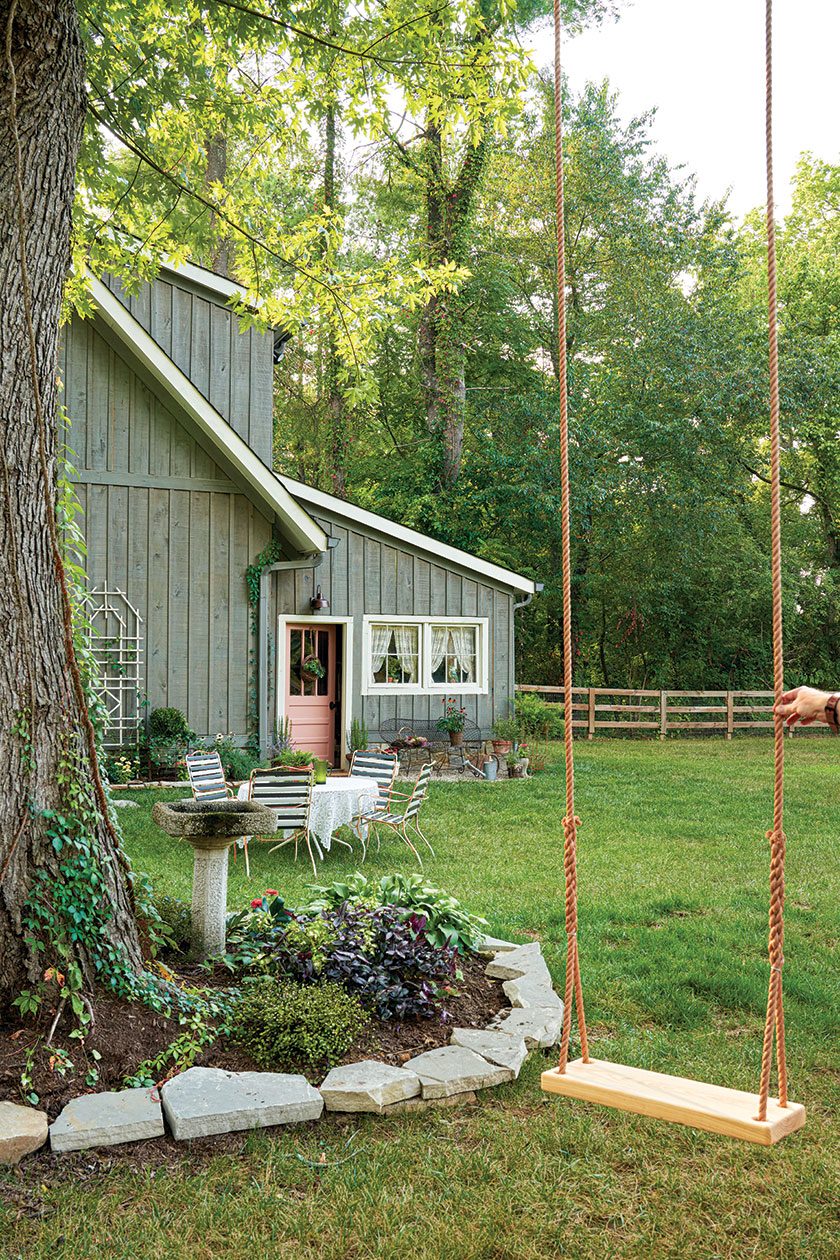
<point>334,804</point>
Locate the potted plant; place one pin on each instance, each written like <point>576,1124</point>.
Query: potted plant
<point>453,720</point>
<point>311,669</point>
<point>505,731</point>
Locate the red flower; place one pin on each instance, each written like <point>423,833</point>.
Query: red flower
<point>271,892</point>
<point>256,903</point>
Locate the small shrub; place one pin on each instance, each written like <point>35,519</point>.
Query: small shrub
<point>169,726</point>
<point>176,916</point>
<point>121,767</point>
<point>296,757</point>
<point>537,719</point>
<point>279,1021</point>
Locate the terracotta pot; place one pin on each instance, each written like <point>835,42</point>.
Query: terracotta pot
<point>501,747</point>
<point>456,738</point>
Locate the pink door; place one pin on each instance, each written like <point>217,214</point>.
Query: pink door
<point>310,688</point>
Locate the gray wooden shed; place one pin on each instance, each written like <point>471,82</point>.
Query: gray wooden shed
<point>170,408</point>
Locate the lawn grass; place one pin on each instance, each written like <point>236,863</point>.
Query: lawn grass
<point>673,879</point>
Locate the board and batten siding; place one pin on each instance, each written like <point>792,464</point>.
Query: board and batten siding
<point>163,524</point>
<point>233,370</point>
<point>367,574</point>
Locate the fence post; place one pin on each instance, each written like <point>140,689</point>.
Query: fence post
<point>730,716</point>
<point>590,734</point>
<point>663,714</point>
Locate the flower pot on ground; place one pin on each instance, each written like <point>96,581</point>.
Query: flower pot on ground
<point>505,732</point>
<point>502,747</point>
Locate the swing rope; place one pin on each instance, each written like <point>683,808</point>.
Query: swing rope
<point>571,822</point>
<point>573,988</point>
<point>775,1013</point>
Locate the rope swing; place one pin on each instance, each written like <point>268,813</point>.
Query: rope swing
<point>753,1117</point>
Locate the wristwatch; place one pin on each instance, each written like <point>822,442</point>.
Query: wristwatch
<point>831,713</point>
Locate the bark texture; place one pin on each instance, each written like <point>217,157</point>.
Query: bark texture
<point>40,717</point>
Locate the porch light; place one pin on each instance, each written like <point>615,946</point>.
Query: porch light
<point>318,604</point>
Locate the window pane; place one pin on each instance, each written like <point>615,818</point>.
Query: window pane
<point>454,655</point>
<point>395,653</point>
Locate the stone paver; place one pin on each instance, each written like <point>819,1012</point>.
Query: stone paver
<point>540,1026</point>
<point>455,1070</point>
<point>422,1104</point>
<point>497,1047</point>
<point>22,1130</point>
<point>126,804</point>
<point>491,945</point>
<point>524,962</point>
<point>368,1086</point>
<point>107,1120</point>
<point>530,991</point>
<point>203,1101</point>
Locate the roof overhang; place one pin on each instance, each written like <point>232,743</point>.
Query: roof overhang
<point>437,550</point>
<point>258,481</point>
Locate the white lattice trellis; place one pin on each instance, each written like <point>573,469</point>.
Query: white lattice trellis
<point>117,645</point>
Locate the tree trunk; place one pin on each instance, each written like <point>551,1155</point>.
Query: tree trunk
<point>215,147</point>
<point>336,409</point>
<point>442,331</point>
<point>43,751</point>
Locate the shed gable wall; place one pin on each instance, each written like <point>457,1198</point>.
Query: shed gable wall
<point>233,370</point>
<point>163,524</point>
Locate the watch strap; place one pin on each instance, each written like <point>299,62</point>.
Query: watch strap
<point>831,712</point>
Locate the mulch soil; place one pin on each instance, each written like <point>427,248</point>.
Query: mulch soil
<point>128,1034</point>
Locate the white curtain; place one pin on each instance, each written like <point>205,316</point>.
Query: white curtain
<point>406,640</point>
<point>463,643</point>
<point>380,637</point>
<point>440,635</point>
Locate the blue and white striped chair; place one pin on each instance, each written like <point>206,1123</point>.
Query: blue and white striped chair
<point>399,822</point>
<point>208,783</point>
<point>374,763</point>
<point>288,791</point>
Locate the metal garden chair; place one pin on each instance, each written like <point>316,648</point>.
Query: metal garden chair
<point>374,763</point>
<point>288,791</point>
<point>208,783</point>
<point>399,822</point>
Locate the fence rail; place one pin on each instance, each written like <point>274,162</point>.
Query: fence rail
<point>666,711</point>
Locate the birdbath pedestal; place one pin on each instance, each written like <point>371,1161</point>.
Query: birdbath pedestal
<point>211,827</point>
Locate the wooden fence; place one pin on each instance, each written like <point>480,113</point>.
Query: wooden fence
<point>614,711</point>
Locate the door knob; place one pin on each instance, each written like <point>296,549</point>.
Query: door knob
<point>332,704</point>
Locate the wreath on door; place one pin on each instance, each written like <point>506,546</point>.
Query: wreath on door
<point>311,669</point>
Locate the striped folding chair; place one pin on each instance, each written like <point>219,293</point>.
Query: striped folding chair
<point>399,822</point>
<point>288,791</point>
<point>373,763</point>
<point>208,783</point>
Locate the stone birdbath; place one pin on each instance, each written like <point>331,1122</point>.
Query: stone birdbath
<point>211,827</point>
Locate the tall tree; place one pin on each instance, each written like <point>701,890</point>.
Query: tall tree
<point>53,821</point>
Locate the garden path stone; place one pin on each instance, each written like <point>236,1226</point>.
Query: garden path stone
<point>531,990</point>
<point>22,1130</point>
<point>455,1070</point>
<point>126,804</point>
<point>513,965</point>
<point>107,1120</point>
<point>540,1026</point>
<point>497,1047</point>
<point>491,945</point>
<point>367,1086</point>
<point>422,1104</point>
<point>204,1101</point>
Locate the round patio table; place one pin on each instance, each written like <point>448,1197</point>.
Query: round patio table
<point>334,804</point>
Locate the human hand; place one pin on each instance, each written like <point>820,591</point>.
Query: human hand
<point>803,704</point>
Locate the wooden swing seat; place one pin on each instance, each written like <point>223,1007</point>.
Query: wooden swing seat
<point>696,1103</point>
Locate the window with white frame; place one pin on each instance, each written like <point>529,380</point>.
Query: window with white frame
<point>425,655</point>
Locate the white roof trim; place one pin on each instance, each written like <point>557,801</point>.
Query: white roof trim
<point>302,531</point>
<point>371,520</point>
<point>219,285</point>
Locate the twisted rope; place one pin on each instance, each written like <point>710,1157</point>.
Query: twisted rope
<point>571,822</point>
<point>775,1013</point>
